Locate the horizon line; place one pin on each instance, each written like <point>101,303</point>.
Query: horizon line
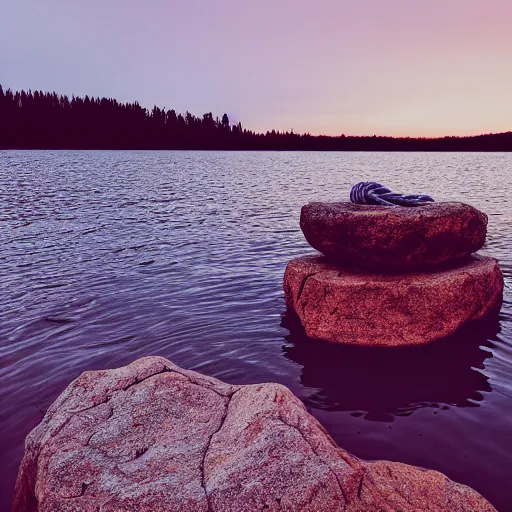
<point>286,130</point>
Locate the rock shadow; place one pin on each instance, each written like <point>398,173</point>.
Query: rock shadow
<point>380,383</point>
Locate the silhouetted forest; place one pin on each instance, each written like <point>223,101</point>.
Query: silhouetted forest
<point>42,120</point>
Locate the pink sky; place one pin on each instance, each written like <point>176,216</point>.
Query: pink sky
<point>397,67</point>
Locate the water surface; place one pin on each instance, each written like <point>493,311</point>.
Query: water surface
<point>110,256</point>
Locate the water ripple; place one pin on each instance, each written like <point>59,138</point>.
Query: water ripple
<point>110,256</point>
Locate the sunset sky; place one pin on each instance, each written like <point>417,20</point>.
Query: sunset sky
<point>389,67</point>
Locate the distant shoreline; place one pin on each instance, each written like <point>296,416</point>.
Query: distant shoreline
<point>37,120</point>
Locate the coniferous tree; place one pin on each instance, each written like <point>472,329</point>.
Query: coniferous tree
<point>43,120</point>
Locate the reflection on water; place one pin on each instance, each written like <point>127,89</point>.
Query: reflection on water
<point>378,384</point>
<point>107,256</point>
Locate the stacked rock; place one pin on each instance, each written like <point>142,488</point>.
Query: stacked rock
<point>390,275</point>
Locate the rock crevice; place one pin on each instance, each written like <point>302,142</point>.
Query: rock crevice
<point>203,484</point>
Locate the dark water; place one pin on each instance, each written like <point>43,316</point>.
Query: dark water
<point>110,256</point>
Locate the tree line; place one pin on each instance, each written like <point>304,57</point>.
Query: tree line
<point>47,120</point>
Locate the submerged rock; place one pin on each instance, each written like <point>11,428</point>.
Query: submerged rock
<point>391,237</point>
<point>153,437</point>
<point>342,305</point>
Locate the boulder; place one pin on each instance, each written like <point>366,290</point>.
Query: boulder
<point>394,238</point>
<point>342,305</point>
<point>153,437</point>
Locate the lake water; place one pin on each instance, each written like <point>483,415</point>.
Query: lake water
<point>109,256</point>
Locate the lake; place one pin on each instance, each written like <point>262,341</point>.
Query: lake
<point>109,256</point>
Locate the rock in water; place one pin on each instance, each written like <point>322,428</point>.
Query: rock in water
<point>344,306</point>
<point>385,238</point>
<point>153,437</point>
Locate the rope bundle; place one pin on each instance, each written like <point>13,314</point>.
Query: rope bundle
<point>370,192</point>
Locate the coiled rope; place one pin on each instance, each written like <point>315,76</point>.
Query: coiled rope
<point>370,192</point>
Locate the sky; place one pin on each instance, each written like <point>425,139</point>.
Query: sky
<point>359,67</point>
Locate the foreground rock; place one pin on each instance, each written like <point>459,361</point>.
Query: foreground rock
<point>153,437</point>
<point>341,305</point>
<point>394,238</point>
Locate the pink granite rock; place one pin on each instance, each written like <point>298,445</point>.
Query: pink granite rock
<point>338,304</point>
<point>392,237</point>
<point>153,437</point>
